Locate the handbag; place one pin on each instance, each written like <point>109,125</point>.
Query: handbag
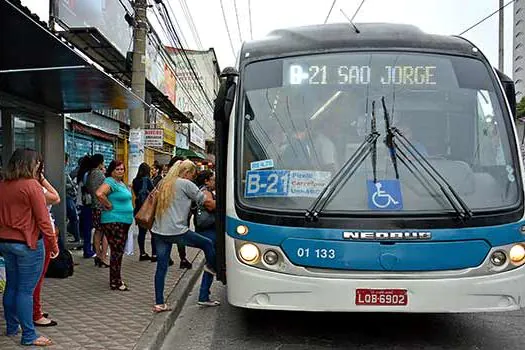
<point>203,219</point>
<point>146,214</point>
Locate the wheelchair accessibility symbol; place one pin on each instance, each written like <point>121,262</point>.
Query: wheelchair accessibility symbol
<point>384,195</point>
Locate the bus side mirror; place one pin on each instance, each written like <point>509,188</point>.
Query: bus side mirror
<point>226,95</point>
<point>510,91</point>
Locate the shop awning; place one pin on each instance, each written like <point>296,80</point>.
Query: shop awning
<point>188,153</point>
<point>101,50</point>
<point>37,66</point>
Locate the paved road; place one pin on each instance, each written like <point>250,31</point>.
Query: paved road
<point>230,328</point>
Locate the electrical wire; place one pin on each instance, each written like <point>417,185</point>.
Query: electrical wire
<point>227,29</point>
<point>177,39</point>
<point>182,83</point>
<point>237,17</point>
<point>357,11</point>
<point>486,18</point>
<point>330,11</point>
<point>250,17</point>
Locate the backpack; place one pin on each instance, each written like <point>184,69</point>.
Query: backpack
<point>62,266</point>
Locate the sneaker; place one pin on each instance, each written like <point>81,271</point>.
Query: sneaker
<point>209,270</point>
<point>154,258</point>
<point>185,264</point>
<point>210,303</point>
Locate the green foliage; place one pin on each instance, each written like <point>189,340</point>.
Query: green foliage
<point>521,109</point>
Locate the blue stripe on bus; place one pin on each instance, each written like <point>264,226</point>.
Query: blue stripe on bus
<point>448,249</point>
<point>275,235</point>
<point>367,256</point>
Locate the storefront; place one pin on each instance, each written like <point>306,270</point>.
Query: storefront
<point>90,133</point>
<point>37,90</point>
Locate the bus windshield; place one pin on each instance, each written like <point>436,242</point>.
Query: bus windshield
<point>303,117</point>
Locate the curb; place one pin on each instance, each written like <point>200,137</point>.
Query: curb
<point>154,335</point>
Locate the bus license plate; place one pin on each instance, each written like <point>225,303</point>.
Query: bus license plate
<point>381,297</point>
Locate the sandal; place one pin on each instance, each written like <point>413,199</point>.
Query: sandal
<point>161,308</point>
<point>121,288</point>
<point>40,341</point>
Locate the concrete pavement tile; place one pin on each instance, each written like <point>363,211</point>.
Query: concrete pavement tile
<point>90,315</point>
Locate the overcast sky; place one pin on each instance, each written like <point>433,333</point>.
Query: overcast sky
<point>433,16</point>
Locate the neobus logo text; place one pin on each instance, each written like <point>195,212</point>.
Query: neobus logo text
<point>357,235</point>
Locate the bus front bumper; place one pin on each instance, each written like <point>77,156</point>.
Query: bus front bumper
<point>255,288</point>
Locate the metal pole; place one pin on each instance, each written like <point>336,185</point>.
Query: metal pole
<point>501,36</point>
<point>138,85</point>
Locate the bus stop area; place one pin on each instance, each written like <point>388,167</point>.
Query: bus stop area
<point>91,316</point>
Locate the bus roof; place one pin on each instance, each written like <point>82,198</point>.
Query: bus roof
<point>342,36</point>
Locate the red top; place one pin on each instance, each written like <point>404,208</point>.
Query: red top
<point>23,213</point>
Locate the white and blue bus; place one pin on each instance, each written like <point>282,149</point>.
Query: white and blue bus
<point>368,168</point>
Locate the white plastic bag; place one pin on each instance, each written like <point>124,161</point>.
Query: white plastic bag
<point>128,249</point>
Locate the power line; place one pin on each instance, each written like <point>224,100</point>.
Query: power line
<point>237,17</point>
<point>357,11</point>
<point>227,29</point>
<point>191,22</point>
<point>182,83</point>
<point>250,17</point>
<point>484,19</point>
<point>174,33</point>
<point>329,12</point>
<point>168,33</point>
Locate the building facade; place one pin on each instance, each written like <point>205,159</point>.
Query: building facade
<point>190,97</point>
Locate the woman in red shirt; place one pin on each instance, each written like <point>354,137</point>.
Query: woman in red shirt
<point>25,227</point>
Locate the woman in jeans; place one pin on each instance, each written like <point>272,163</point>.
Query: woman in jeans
<point>142,186</point>
<point>25,228</point>
<point>206,182</point>
<point>52,198</point>
<point>116,218</point>
<point>177,191</point>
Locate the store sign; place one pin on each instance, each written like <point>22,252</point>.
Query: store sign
<point>182,141</point>
<point>197,136</point>
<point>154,137</point>
<point>96,121</point>
<point>106,16</point>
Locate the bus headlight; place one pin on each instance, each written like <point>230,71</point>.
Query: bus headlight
<point>249,253</point>
<point>242,230</point>
<point>498,258</point>
<point>271,257</point>
<point>517,253</point>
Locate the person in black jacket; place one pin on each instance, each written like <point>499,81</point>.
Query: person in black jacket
<point>142,186</point>
<point>157,173</point>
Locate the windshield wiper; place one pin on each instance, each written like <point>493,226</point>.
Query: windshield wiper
<point>459,205</point>
<point>389,140</point>
<point>342,176</point>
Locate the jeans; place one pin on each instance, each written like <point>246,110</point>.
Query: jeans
<point>72,216</point>
<point>86,219</point>
<point>207,278</point>
<point>23,267</point>
<point>164,244</point>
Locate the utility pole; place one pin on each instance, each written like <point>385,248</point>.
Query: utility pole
<point>138,85</point>
<point>501,36</point>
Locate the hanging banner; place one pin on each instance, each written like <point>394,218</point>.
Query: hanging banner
<point>154,137</point>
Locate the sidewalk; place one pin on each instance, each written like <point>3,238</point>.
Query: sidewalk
<point>90,315</point>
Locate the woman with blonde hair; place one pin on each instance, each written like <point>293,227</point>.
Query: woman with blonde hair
<point>176,193</point>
